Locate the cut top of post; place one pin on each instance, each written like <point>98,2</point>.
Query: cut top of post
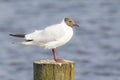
<point>53,62</point>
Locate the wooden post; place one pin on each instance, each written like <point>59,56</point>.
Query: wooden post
<point>51,70</point>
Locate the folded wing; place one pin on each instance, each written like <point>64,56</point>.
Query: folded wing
<point>49,34</point>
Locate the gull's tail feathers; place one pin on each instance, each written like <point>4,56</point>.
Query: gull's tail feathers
<point>18,35</point>
<point>26,42</point>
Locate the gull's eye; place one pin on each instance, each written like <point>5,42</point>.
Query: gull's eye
<point>70,21</point>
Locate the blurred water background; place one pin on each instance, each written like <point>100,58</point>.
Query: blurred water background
<point>95,46</point>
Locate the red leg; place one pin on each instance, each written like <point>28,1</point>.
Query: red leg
<point>54,55</point>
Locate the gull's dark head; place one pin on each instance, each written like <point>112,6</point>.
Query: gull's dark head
<point>70,22</point>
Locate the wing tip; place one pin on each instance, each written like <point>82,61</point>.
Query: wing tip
<point>10,34</point>
<point>18,35</point>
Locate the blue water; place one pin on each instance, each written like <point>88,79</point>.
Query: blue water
<point>95,46</point>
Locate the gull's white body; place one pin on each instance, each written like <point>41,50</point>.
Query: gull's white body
<point>50,37</point>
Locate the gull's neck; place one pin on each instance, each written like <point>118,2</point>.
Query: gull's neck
<point>64,24</point>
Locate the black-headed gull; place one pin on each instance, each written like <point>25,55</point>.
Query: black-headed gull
<point>50,37</point>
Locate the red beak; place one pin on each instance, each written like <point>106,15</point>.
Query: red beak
<point>76,25</point>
